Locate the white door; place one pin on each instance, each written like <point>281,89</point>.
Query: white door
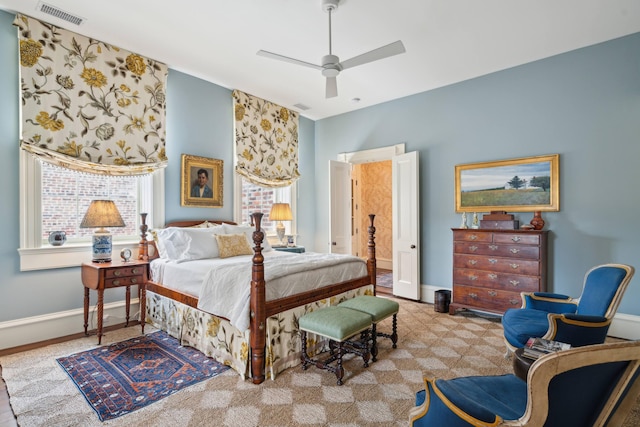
<point>406,230</point>
<point>340,207</point>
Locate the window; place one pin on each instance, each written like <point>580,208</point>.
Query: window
<point>251,198</point>
<point>54,198</point>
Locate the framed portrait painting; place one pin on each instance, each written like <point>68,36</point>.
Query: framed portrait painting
<point>513,185</point>
<point>201,182</point>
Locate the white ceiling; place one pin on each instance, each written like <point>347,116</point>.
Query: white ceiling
<point>447,41</point>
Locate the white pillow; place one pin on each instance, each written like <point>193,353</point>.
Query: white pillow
<point>202,243</point>
<point>171,242</point>
<point>248,231</point>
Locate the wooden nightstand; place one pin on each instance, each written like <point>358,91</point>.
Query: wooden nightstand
<point>101,276</point>
<point>295,249</point>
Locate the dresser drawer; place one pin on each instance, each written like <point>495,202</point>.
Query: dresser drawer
<point>495,280</point>
<point>471,236</point>
<point>497,249</point>
<point>497,264</point>
<point>484,298</point>
<point>517,238</point>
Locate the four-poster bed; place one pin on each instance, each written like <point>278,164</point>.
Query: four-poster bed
<point>271,342</point>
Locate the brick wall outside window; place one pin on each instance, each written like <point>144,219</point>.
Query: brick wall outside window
<point>66,195</point>
<point>257,199</point>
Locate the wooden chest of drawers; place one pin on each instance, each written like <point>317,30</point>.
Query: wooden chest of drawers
<point>492,267</point>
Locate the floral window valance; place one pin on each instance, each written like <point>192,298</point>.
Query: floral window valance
<point>266,141</point>
<point>88,105</point>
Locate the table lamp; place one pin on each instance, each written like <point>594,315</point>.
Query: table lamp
<point>102,213</point>
<point>280,212</point>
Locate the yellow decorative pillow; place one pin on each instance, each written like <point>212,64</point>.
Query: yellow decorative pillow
<point>233,245</point>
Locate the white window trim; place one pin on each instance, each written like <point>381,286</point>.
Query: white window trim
<point>36,256</point>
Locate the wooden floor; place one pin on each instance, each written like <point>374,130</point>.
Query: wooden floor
<point>7,419</point>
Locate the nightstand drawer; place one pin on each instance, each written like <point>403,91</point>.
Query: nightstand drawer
<point>123,281</point>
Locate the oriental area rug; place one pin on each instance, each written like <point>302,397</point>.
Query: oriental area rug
<point>125,376</point>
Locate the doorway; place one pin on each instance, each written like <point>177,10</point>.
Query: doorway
<point>371,185</point>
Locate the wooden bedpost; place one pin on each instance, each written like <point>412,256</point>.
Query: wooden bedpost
<point>257,306</point>
<point>371,253</point>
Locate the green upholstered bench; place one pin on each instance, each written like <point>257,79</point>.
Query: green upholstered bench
<point>379,309</point>
<point>338,324</point>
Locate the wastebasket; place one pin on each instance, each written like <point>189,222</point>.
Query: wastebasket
<point>442,299</point>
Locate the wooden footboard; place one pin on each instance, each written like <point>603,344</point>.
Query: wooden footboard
<point>260,309</point>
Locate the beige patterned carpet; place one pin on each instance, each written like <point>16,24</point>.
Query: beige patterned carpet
<point>430,343</point>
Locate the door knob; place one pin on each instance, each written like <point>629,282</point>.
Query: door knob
<point>334,244</point>
<point>413,246</point>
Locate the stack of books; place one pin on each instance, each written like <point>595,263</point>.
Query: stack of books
<point>537,347</point>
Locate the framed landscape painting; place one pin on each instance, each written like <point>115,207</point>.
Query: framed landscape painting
<point>201,182</point>
<point>515,185</point>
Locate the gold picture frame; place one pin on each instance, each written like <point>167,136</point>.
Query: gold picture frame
<point>515,185</point>
<point>198,170</point>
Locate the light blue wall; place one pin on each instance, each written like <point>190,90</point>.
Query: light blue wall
<point>584,105</point>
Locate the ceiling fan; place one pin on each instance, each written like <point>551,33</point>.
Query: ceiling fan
<point>331,65</point>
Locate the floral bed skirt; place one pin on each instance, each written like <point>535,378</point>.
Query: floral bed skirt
<point>218,339</point>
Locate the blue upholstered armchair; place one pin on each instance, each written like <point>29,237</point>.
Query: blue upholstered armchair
<point>594,385</point>
<point>581,321</point>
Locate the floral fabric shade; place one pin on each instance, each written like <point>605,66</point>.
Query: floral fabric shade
<point>87,105</point>
<point>266,141</point>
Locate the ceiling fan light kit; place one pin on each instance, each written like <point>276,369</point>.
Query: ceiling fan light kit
<point>331,65</point>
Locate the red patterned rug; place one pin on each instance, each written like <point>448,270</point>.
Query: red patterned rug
<point>129,375</point>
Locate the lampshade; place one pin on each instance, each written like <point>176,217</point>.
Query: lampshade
<point>102,213</point>
<point>280,212</point>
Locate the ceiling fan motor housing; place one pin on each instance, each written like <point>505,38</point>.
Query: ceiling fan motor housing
<point>331,66</point>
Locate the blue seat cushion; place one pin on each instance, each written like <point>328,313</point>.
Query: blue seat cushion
<point>483,397</point>
<point>521,324</point>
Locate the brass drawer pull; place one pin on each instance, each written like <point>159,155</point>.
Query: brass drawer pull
<point>492,260</point>
<point>134,280</point>
<point>473,296</point>
<point>514,301</point>
<point>515,239</point>
<point>473,248</point>
<point>493,293</point>
<point>493,276</point>
<point>514,266</point>
<point>514,282</point>
<point>493,247</point>
<point>473,261</point>
<point>472,277</point>
<point>135,271</point>
<point>117,273</point>
<point>116,283</point>
<point>473,237</point>
<point>515,250</point>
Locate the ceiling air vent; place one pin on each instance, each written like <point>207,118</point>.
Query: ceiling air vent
<point>301,107</point>
<point>61,14</point>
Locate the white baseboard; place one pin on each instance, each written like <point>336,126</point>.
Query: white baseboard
<point>34,329</point>
<point>625,326</point>
<point>385,264</point>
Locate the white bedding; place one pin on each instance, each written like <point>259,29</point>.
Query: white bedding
<point>223,285</point>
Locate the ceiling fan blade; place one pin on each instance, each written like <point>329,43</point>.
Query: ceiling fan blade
<point>332,88</point>
<point>287,59</point>
<point>394,48</point>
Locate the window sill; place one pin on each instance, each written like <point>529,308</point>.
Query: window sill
<point>69,255</point>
